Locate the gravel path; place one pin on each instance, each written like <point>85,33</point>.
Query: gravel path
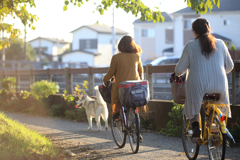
<point>92,144</point>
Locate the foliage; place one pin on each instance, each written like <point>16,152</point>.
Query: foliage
<point>173,127</point>
<point>137,7</point>
<point>8,86</point>
<point>233,48</point>
<point>226,44</point>
<point>43,89</point>
<point>16,51</point>
<point>57,111</point>
<point>148,122</point>
<point>70,99</point>
<point>202,6</point>
<point>78,114</point>
<point>16,9</point>
<point>235,130</point>
<point>19,142</point>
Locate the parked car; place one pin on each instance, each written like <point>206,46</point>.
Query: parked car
<point>163,78</point>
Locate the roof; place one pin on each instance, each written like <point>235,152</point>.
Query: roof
<point>225,5</point>
<point>68,52</point>
<point>220,37</point>
<point>54,40</point>
<point>168,18</point>
<point>102,29</point>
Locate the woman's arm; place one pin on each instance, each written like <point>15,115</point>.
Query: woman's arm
<point>140,69</point>
<point>111,71</point>
<point>228,62</point>
<point>183,62</point>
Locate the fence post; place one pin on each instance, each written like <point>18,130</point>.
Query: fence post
<point>32,77</point>
<point>236,83</point>
<point>49,76</point>
<point>150,80</point>
<point>17,76</point>
<point>90,81</point>
<point>68,81</point>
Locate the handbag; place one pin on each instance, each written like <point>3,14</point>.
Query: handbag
<point>134,94</point>
<point>106,92</point>
<point>178,88</point>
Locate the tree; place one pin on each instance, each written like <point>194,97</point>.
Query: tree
<point>137,7</point>
<point>16,9</point>
<point>16,51</point>
<point>233,48</point>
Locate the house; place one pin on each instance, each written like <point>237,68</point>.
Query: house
<point>155,39</point>
<point>224,21</point>
<point>93,44</point>
<point>50,47</point>
<point>169,38</point>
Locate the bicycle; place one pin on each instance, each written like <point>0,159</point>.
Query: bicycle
<point>124,126</point>
<point>213,130</point>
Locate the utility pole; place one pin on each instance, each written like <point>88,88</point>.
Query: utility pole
<point>40,49</point>
<point>113,38</point>
<point>25,44</point>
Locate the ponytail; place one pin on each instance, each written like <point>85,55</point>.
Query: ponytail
<point>207,41</point>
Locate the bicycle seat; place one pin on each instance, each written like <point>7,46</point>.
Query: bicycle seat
<point>211,97</point>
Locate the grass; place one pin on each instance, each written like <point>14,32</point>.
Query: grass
<point>18,142</point>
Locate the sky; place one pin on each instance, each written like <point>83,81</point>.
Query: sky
<point>55,23</point>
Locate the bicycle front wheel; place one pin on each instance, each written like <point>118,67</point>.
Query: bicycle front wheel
<point>119,135</point>
<point>133,129</point>
<point>191,149</point>
<point>217,142</point>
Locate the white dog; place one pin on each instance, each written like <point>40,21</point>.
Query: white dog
<point>95,109</point>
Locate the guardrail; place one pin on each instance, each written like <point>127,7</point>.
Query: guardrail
<point>148,69</point>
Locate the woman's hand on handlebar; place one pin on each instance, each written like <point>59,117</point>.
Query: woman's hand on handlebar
<point>106,83</point>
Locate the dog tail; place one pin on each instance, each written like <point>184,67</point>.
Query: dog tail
<point>99,96</point>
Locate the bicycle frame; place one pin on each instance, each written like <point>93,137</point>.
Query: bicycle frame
<point>207,130</point>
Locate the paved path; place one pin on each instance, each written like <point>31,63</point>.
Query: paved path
<point>93,144</point>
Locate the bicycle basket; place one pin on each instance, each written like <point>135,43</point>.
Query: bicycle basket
<point>106,92</point>
<point>133,93</point>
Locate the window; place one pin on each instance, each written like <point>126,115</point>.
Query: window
<point>88,44</point>
<point>148,32</point>
<point>169,36</point>
<point>226,22</point>
<point>188,23</point>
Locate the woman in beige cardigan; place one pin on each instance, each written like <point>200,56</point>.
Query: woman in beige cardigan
<point>124,66</point>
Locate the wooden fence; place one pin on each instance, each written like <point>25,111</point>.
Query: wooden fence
<point>149,70</point>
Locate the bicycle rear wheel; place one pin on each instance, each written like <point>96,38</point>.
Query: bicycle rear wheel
<point>191,149</point>
<point>119,135</point>
<point>133,129</point>
<point>216,146</point>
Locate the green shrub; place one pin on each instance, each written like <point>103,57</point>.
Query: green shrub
<point>233,48</point>
<point>78,114</point>
<point>173,127</point>
<point>8,86</point>
<point>56,111</point>
<point>43,89</point>
<point>235,130</point>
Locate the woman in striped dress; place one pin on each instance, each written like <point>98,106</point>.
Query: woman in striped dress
<point>206,61</point>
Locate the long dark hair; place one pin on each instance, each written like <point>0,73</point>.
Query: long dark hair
<point>207,41</point>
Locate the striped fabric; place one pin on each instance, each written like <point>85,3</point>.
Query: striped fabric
<point>204,75</point>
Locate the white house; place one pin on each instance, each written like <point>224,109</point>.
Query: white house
<point>169,38</point>
<point>155,39</point>
<point>50,47</point>
<point>224,21</point>
<point>93,44</point>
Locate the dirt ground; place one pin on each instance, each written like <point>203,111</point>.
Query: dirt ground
<point>76,142</point>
